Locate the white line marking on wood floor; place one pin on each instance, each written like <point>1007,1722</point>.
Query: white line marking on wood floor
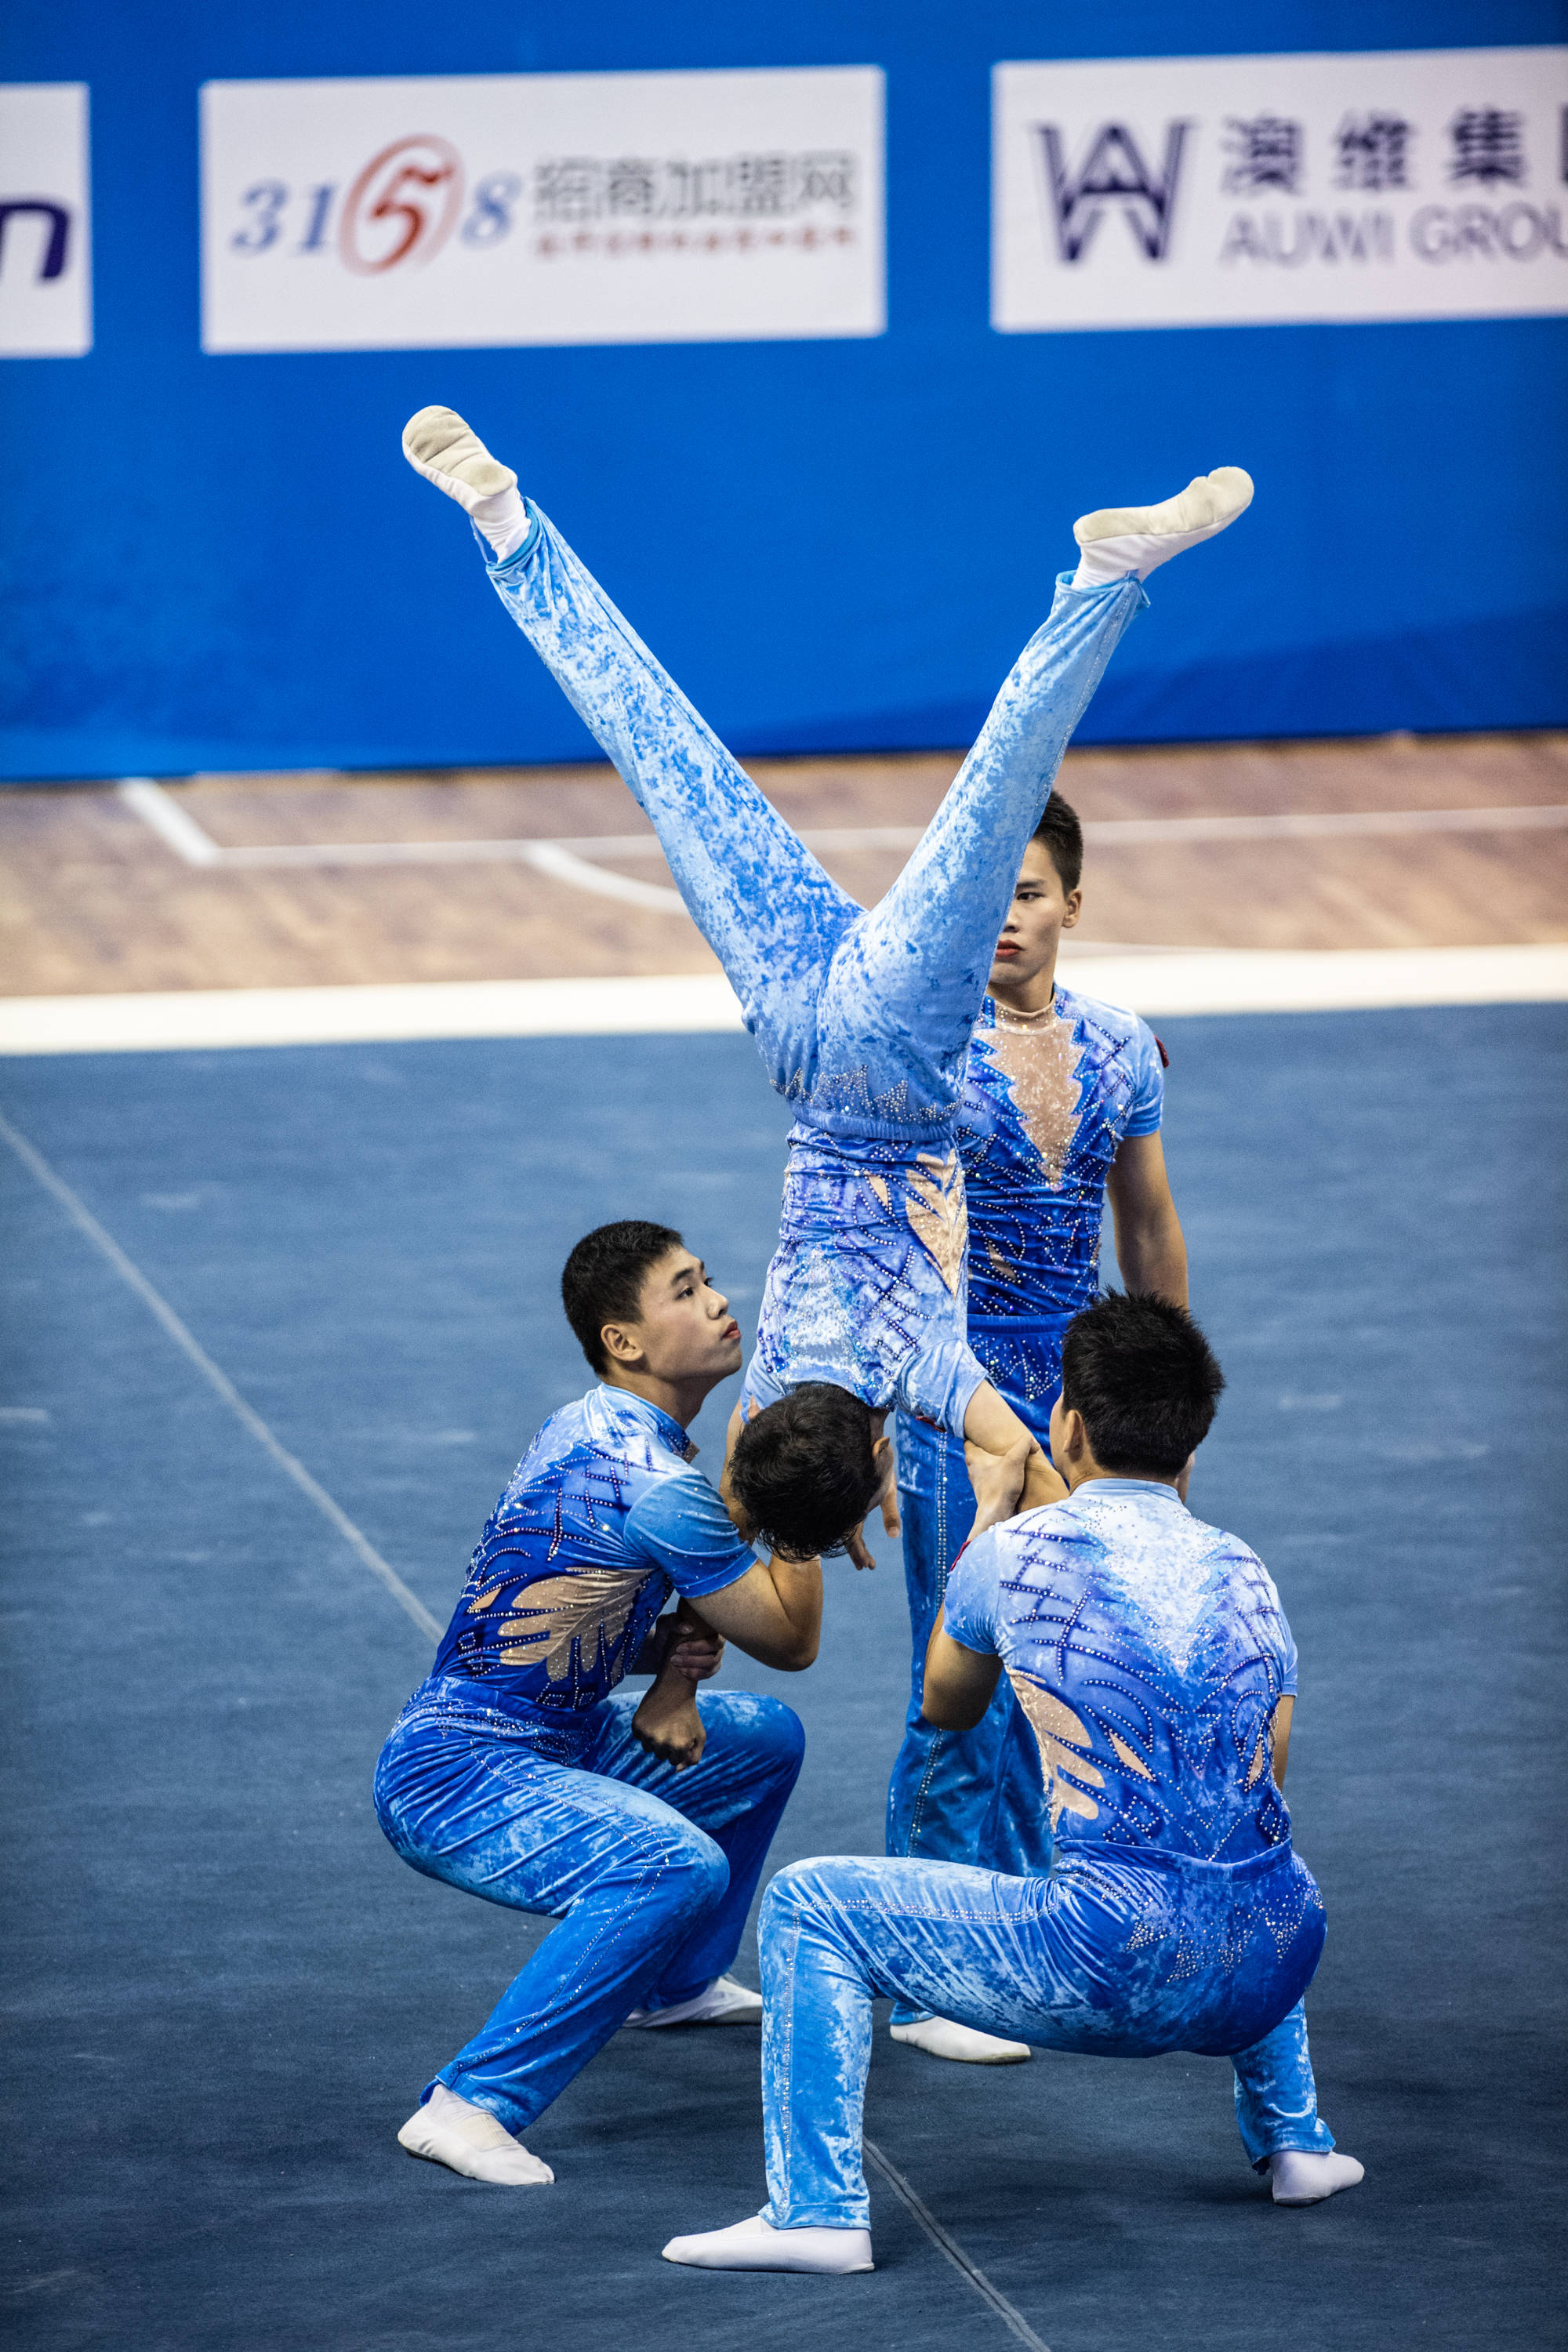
<point>571,860</point>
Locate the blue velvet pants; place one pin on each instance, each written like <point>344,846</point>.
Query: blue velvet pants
<point>862,1019</point>
<point>1108,1954</point>
<point>649,1871</point>
<point>957,1796</point>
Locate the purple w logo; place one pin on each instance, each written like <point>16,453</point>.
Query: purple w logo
<point>1115,172</point>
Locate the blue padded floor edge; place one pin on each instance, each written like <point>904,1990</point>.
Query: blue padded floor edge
<point>223,1992</point>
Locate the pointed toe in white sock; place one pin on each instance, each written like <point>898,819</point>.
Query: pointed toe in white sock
<point>943,2037</point>
<point>470,2141</point>
<point>755,2245</point>
<point>1118,541</point>
<point>438,444</point>
<point>1299,2178</point>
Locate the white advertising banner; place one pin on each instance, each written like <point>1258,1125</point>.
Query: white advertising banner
<point>1179,192</point>
<point>46,257</point>
<point>542,208</point>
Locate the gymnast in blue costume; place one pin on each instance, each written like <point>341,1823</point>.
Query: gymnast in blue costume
<point>1061,1105</point>
<point>519,1771</point>
<point>863,1018</point>
<point>1152,1661</point>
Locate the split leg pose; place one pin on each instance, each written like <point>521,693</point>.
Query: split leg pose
<point>1155,1665</point>
<point>863,1019</point>
<point>1061,1108</point>
<point>519,1772</point>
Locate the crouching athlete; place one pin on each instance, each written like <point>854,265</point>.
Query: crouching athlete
<point>1151,1660</point>
<point>519,1772</point>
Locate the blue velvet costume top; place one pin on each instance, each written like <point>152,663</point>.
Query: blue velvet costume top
<point>603,1517</point>
<point>1047,1102</point>
<point>1148,1652</point>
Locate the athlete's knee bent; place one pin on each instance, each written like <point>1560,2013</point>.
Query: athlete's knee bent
<point>778,1734</point>
<point>804,1893</point>
<point>764,1729</point>
<point>693,1871</point>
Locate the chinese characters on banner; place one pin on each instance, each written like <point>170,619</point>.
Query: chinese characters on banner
<point>542,208</point>
<point>46,261</point>
<point>1415,184</point>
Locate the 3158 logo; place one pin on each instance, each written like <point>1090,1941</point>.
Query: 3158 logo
<point>402,209</point>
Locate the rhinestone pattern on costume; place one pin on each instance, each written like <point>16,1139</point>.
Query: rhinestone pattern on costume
<point>557,1605</point>
<point>1148,1652</point>
<point>1049,1100</point>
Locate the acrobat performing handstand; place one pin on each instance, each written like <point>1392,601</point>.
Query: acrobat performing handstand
<point>863,1017</point>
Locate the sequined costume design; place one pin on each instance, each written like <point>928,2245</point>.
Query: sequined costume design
<point>862,1019</point>
<point>1049,1100</point>
<point>1148,1653</point>
<point>512,1772</point>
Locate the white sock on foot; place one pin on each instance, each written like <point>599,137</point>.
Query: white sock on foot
<point>438,444</point>
<point>1117,542</point>
<point>1300,2178</point>
<point>470,2141</point>
<point>943,2037</point>
<point>724,2002</point>
<point>756,2246</point>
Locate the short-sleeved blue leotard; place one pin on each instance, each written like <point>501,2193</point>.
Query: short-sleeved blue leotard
<point>1148,1652</point>
<point>603,1516</point>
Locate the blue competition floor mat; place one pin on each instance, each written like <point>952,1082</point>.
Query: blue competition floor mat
<point>225,1991</point>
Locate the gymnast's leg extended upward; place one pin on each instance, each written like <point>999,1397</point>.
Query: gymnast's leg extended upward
<point>862,1018</point>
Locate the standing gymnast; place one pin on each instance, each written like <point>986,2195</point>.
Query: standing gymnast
<point>1061,1107</point>
<point>863,1019</point>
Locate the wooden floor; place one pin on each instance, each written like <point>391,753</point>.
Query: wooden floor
<point>91,900</point>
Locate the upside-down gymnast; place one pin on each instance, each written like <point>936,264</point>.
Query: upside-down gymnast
<point>1152,1661</point>
<point>863,1019</point>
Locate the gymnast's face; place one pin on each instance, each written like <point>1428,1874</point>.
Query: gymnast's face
<point>684,1329</point>
<point>1040,912</point>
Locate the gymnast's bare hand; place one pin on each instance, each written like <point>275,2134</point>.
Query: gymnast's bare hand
<point>892,1517</point>
<point>855,1543</point>
<point>667,1724</point>
<point>684,1644</point>
<point>1006,1484</point>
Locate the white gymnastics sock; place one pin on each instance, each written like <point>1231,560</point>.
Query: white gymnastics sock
<point>1115,542</point>
<point>942,2037</point>
<point>438,444</point>
<point>1300,2178</point>
<point>470,2141</point>
<point>756,2246</point>
<point>724,2002</point>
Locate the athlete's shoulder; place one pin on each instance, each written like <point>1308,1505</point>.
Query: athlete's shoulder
<point>1227,1555</point>
<point>1049,1531</point>
<point>1114,1026</point>
<point>606,1421</point>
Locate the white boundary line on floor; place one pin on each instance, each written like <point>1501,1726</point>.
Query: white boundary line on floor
<point>81,1216</point>
<point>1152,983</point>
<point>946,2243</point>
<point>217,1379</point>
<point>571,861</point>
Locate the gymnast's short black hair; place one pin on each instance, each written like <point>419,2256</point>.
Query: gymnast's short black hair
<point>802,1471</point>
<point>1145,1381</point>
<point>601,1280</point>
<point>1062,836</point>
